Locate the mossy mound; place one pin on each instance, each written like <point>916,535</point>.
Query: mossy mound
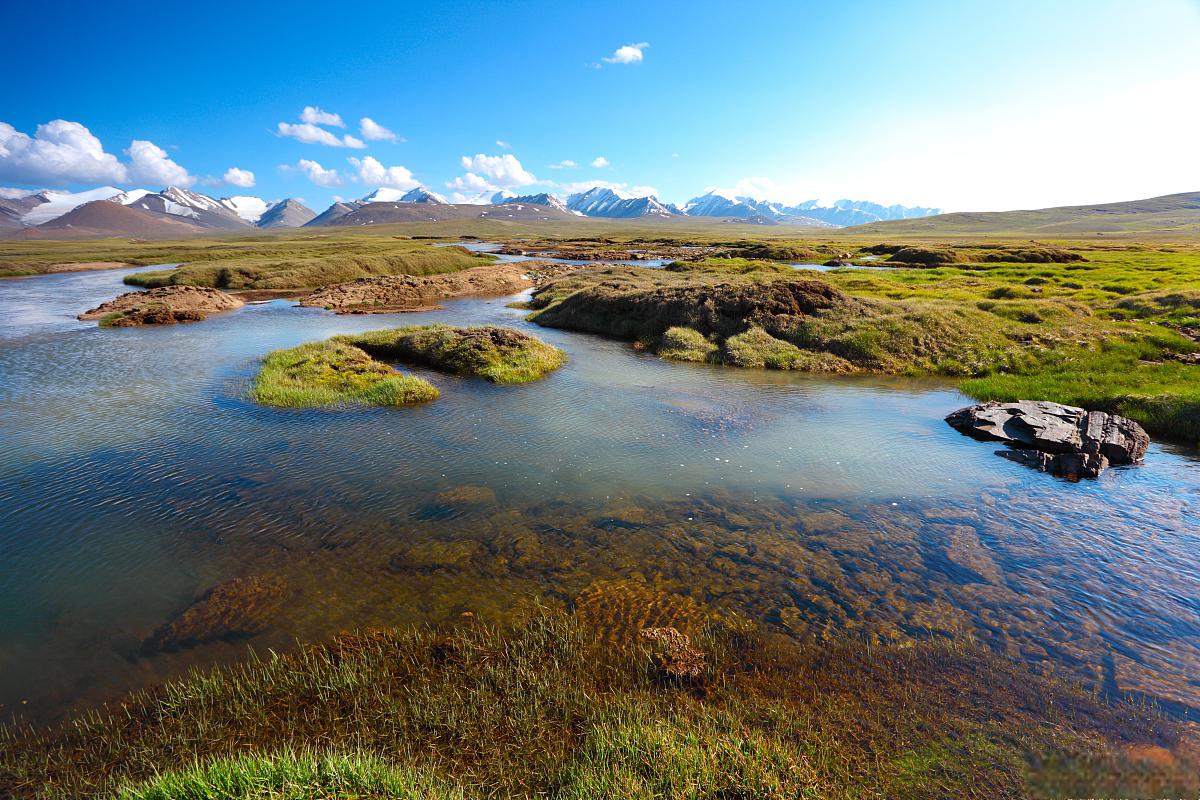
<point>733,266</point>
<point>334,373</point>
<point>500,355</point>
<point>776,322</point>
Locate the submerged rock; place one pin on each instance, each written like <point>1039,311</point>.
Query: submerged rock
<point>1063,440</point>
<point>165,305</point>
<point>674,654</point>
<point>239,607</point>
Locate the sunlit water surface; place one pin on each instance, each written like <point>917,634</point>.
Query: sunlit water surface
<point>134,476</point>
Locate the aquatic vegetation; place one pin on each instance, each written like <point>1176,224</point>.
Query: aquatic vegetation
<point>500,355</point>
<point>334,373</point>
<point>547,709</point>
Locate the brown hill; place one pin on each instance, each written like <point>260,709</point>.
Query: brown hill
<point>101,218</point>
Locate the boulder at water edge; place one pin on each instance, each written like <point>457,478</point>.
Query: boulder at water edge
<point>1063,440</point>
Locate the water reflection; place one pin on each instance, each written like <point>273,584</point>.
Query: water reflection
<point>134,476</point>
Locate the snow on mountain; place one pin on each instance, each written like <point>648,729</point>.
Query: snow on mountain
<point>247,207</point>
<point>194,207</point>
<point>542,199</point>
<point>603,202</point>
<point>54,204</point>
<point>502,196</point>
<point>420,194</point>
<point>130,196</point>
<point>840,213</point>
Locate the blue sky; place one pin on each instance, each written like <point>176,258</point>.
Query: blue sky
<point>980,105</point>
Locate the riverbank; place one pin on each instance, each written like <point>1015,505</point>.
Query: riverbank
<point>571,706</point>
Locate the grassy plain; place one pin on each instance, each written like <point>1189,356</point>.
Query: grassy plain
<point>550,709</point>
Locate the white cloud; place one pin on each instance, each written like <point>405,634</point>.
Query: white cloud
<point>308,132</point>
<point>621,188</point>
<point>599,162</point>
<point>149,163</point>
<point>315,116</point>
<point>239,177</point>
<point>503,145</point>
<point>318,174</point>
<point>502,172</point>
<point>8,193</point>
<point>566,163</point>
<point>470,184</point>
<point>372,173</point>
<point>627,54</point>
<point>60,152</point>
<point>372,131</point>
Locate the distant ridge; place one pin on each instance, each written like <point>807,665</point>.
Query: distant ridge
<point>1165,214</point>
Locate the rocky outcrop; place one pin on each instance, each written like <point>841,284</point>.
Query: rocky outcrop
<point>1063,440</point>
<point>165,305</point>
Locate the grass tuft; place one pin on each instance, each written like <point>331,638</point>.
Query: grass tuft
<point>334,373</point>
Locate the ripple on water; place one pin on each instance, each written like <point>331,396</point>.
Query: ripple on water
<point>134,475</point>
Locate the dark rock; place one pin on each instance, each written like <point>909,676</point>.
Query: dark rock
<point>1063,440</point>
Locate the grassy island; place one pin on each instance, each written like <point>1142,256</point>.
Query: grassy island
<point>551,709</point>
<point>500,355</point>
<point>334,373</point>
<point>1113,327</point>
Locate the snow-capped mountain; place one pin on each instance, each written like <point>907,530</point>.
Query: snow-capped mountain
<point>502,196</point>
<point>198,209</point>
<point>49,204</point>
<point>130,196</point>
<point>417,195</point>
<point>841,213</point>
<point>859,212</point>
<point>247,207</point>
<point>543,199</point>
<point>603,202</point>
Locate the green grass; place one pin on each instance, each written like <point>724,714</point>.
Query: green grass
<point>291,776</point>
<point>322,374</point>
<point>499,355</point>
<point>550,709</point>
<point>284,260</point>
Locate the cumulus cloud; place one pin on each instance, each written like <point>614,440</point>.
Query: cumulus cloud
<point>307,129</point>
<point>372,173</point>
<point>9,193</point>
<point>372,131</point>
<point>470,184</point>
<point>599,162</point>
<point>318,174</point>
<point>60,152</point>
<point>566,163</point>
<point>310,134</point>
<point>149,163</point>
<point>315,116</point>
<point>239,177</point>
<point>627,54</point>
<point>504,171</point>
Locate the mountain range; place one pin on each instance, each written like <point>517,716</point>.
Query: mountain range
<point>55,211</point>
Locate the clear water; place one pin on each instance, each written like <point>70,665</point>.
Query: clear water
<point>134,476</point>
